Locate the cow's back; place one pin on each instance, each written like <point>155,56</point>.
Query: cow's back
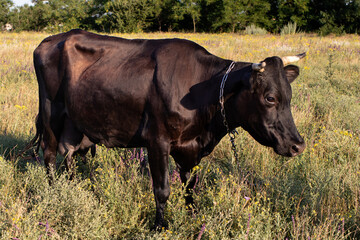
<point>122,83</point>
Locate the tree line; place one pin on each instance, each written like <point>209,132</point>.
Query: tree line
<point>323,17</point>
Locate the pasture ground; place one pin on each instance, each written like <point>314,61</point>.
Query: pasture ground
<point>312,196</point>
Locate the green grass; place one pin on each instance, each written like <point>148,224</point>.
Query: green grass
<point>313,196</point>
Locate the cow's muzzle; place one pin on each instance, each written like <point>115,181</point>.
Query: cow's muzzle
<point>290,148</point>
<point>297,149</point>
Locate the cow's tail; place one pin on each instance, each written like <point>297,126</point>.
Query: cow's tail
<point>36,140</point>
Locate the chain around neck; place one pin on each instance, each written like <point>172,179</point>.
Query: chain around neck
<point>221,95</point>
<point>222,101</point>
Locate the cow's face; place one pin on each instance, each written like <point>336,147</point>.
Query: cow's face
<point>267,115</point>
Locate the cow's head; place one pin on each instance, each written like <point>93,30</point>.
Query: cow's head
<point>266,112</point>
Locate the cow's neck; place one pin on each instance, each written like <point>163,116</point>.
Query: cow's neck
<point>238,80</point>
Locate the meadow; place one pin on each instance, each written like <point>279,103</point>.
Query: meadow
<point>313,196</point>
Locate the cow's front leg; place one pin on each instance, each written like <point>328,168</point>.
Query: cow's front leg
<point>158,161</point>
<point>186,157</point>
<point>188,180</point>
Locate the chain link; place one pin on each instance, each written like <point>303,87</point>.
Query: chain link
<point>232,133</point>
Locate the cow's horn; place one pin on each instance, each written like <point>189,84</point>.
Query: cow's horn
<point>291,59</point>
<point>260,67</point>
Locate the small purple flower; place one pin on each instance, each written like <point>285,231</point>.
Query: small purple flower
<point>16,227</point>
<point>247,198</point>
<point>45,225</point>
<point>293,221</point>
<point>142,155</point>
<point>175,175</point>
<point>196,181</point>
<point>248,227</point>
<point>201,232</point>
<point>48,229</point>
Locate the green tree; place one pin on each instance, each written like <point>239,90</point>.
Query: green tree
<point>258,13</point>
<point>51,15</point>
<point>211,12</point>
<point>28,18</point>
<point>237,14</point>
<point>4,11</point>
<point>162,15</point>
<point>187,8</point>
<point>293,11</point>
<point>64,15</point>
<point>123,15</point>
<point>192,8</point>
<point>352,16</point>
<point>328,16</point>
<point>284,11</point>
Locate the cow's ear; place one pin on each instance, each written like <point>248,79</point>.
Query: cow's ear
<point>291,72</point>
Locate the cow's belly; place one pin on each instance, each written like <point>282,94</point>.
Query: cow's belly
<point>106,116</point>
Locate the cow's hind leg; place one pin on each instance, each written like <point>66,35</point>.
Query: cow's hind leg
<point>49,148</point>
<point>52,126</point>
<point>158,161</point>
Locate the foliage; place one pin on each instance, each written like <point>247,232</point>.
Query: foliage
<point>163,15</point>
<point>122,15</point>
<point>64,15</point>
<point>51,15</point>
<point>312,196</point>
<point>335,16</point>
<point>291,11</point>
<point>329,25</point>
<point>190,8</point>
<point>4,11</point>
<point>324,17</point>
<point>240,13</point>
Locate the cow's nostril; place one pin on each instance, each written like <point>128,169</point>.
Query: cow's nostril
<point>297,149</point>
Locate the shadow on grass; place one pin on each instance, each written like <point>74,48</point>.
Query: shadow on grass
<point>11,145</point>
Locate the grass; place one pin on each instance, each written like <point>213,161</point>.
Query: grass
<point>312,196</point>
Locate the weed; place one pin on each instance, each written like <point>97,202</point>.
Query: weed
<point>254,30</point>
<point>290,28</point>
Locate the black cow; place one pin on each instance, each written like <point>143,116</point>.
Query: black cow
<point>158,94</point>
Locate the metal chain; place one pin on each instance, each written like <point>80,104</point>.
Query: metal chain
<point>222,101</point>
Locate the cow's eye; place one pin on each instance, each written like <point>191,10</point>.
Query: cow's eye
<point>270,99</point>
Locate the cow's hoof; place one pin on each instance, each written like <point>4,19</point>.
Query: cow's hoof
<point>160,226</point>
<point>191,209</point>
